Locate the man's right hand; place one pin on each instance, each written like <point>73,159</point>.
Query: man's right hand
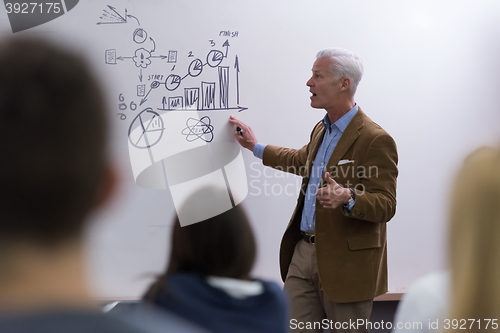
<point>246,139</point>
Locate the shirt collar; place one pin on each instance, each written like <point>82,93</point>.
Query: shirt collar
<point>342,122</point>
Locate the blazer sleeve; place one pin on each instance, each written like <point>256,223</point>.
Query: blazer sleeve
<point>286,159</point>
<point>376,192</point>
<point>291,160</point>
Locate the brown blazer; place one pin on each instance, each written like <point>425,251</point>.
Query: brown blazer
<point>351,250</point>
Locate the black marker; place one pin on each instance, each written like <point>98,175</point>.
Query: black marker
<point>238,129</point>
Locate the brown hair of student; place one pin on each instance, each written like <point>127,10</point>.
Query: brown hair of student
<point>223,246</point>
<point>52,142</point>
<point>474,242</point>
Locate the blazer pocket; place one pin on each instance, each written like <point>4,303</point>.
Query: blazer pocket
<point>365,242</point>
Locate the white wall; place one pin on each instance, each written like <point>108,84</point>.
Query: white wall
<point>431,80</point>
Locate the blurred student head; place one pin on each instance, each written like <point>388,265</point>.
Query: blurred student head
<point>223,246</point>
<point>475,238</point>
<point>53,172</point>
<point>52,143</point>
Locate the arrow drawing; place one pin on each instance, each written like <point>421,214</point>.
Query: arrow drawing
<point>145,98</point>
<point>135,18</point>
<point>237,67</point>
<point>154,85</point>
<point>226,45</point>
<point>154,48</point>
<point>239,108</point>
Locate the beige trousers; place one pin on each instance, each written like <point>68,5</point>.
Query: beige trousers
<point>311,309</point>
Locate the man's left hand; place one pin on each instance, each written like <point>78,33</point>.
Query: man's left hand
<point>332,195</point>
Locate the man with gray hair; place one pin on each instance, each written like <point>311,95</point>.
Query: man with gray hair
<point>333,255</point>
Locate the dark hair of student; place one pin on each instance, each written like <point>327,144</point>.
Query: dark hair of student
<point>223,245</point>
<point>52,142</point>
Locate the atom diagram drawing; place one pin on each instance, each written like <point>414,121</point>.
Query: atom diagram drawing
<point>198,129</point>
<point>150,132</point>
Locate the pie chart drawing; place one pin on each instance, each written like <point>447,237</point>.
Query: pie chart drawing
<point>172,82</point>
<point>195,68</point>
<point>140,36</point>
<point>146,129</point>
<point>214,58</point>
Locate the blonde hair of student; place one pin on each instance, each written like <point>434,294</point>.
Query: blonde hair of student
<point>474,243</point>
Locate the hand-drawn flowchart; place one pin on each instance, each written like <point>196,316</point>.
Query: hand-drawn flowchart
<point>179,136</point>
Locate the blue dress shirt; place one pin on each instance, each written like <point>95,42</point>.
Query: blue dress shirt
<point>333,132</point>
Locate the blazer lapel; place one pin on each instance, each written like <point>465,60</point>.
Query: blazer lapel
<point>316,142</point>
<point>350,135</point>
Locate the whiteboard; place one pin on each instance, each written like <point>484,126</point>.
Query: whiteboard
<point>431,78</point>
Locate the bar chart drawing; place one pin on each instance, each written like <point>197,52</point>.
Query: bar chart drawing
<point>192,96</point>
<point>175,103</point>
<point>208,95</point>
<point>224,87</point>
